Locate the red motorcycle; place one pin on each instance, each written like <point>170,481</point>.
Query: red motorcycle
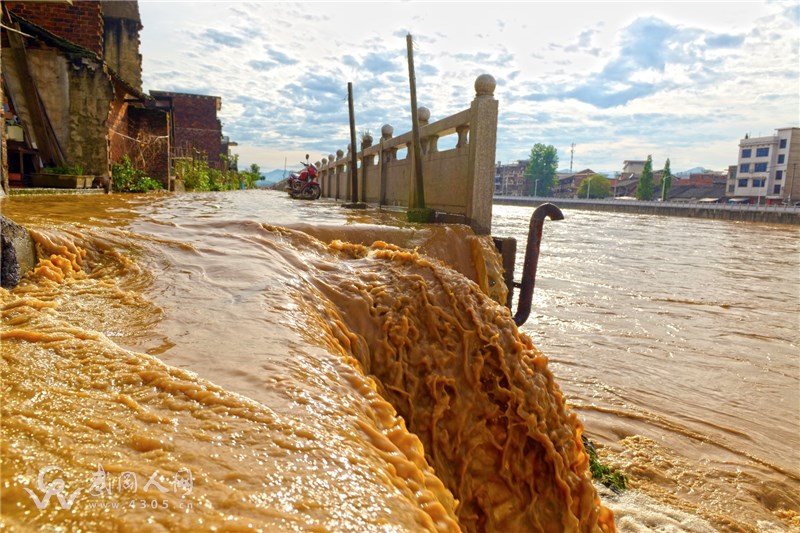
<point>304,185</point>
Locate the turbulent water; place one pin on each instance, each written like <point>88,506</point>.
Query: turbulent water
<point>268,366</point>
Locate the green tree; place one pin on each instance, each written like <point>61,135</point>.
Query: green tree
<point>595,186</point>
<point>252,176</point>
<point>644,191</point>
<point>666,181</point>
<point>540,176</point>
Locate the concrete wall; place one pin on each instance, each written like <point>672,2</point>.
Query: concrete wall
<point>458,181</point>
<point>91,94</point>
<point>77,94</point>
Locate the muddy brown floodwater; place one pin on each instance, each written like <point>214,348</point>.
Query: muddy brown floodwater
<point>243,361</point>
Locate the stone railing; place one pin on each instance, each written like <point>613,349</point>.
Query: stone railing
<point>458,180</point>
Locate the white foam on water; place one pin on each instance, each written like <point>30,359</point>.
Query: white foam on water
<point>635,512</point>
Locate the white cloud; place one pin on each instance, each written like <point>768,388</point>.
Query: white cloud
<point>619,79</point>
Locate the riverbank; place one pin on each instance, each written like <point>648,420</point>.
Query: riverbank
<point>736,212</point>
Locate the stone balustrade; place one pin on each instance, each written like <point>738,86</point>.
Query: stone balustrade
<point>458,179</point>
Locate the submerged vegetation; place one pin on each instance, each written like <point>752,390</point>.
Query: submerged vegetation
<point>198,176</point>
<point>608,476</point>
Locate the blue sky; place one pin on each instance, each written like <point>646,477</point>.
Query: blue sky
<point>621,80</point>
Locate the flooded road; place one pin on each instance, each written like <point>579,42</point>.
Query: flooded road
<point>674,340</point>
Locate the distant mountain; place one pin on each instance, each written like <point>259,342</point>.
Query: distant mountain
<point>273,176</point>
<point>695,170</point>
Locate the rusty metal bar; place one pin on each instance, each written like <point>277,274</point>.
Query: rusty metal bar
<point>532,259</point>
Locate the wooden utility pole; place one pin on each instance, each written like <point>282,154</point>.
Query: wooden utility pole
<point>419,191</point>
<point>353,158</point>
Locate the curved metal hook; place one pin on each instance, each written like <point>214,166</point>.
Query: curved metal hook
<point>532,259</point>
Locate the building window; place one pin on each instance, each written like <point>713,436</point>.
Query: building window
<point>744,167</point>
<point>747,152</point>
<point>781,159</point>
<point>758,183</point>
<point>779,175</point>
<point>776,189</point>
<point>783,143</point>
<point>760,167</point>
<point>742,183</point>
<point>762,152</point>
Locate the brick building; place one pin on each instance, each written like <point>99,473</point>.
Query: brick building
<point>195,129</point>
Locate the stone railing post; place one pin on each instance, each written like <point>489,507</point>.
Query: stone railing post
<point>424,116</point>
<point>386,133</point>
<point>331,174</point>
<point>482,146</point>
<point>339,171</point>
<point>366,142</point>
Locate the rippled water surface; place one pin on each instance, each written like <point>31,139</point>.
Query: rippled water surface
<point>675,339</point>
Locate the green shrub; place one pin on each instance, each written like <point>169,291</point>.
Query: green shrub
<point>194,174</point>
<point>125,178</point>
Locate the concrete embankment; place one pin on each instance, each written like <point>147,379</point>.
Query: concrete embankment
<point>744,213</point>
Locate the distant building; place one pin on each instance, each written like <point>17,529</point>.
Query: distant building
<point>767,168</point>
<point>568,183</point>
<point>633,167</point>
<point>510,178</point>
<point>706,186</point>
<point>624,184</point>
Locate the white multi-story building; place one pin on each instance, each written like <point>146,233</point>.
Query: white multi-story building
<point>767,168</point>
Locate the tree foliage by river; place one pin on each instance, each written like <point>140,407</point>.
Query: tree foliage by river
<point>644,191</point>
<point>666,181</point>
<point>595,186</point>
<point>540,176</point>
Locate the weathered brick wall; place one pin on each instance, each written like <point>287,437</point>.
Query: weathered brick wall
<point>197,127</point>
<point>80,23</point>
<point>118,142</point>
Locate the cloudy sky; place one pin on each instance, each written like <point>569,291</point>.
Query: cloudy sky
<point>621,80</point>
